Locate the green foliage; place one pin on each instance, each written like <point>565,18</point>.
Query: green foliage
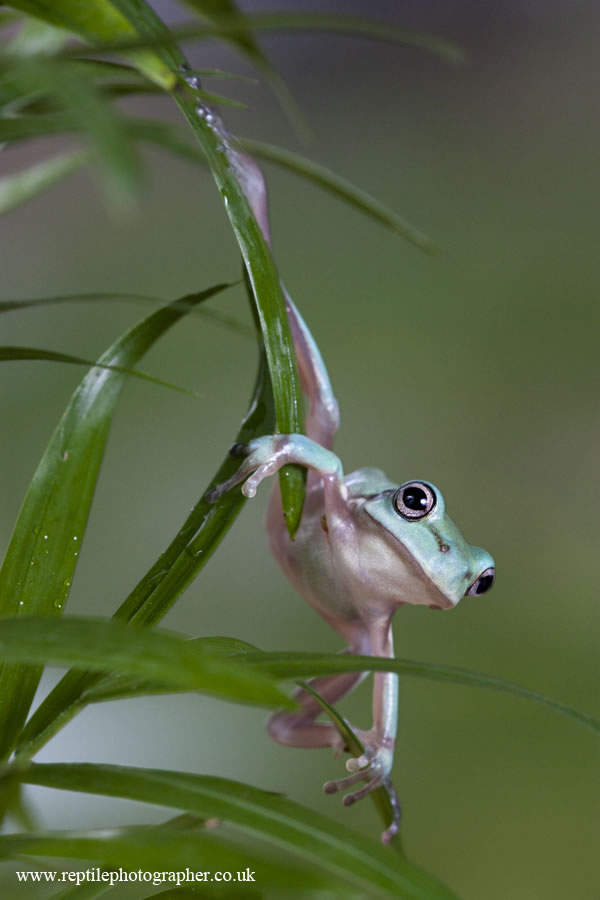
<point>55,79</point>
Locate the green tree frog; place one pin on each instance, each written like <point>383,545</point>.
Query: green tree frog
<point>365,547</point>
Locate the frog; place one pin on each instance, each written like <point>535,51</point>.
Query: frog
<point>365,547</point>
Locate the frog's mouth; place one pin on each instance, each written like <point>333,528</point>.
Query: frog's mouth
<point>425,591</point>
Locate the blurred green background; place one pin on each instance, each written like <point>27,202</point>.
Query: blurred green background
<point>476,370</point>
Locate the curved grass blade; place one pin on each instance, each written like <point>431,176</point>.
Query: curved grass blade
<point>23,186</point>
<point>340,187</point>
<point>356,26</point>
<point>104,645</point>
<point>38,567</point>
<point>300,665</point>
<point>258,261</point>
<point>14,354</point>
<point>381,797</point>
<point>362,862</point>
<point>227,15</point>
<point>176,567</point>
<point>170,137</point>
<point>169,850</point>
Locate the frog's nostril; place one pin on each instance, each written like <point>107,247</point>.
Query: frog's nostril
<point>482,584</point>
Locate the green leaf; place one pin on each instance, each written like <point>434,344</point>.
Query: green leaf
<point>14,354</point>
<point>301,665</point>
<point>176,567</point>
<point>340,187</point>
<point>362,862</point>
<point>356,26</point>
<point>22,186</point>
<point>103,645</point>
<point>42,554</point>
<point>98,21</point>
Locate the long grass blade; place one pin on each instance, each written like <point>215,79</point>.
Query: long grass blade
<point>303,665</point>
<point>336,849</point>
<point>38,567</point>
<point>14,354</point>
<point>341,188</point>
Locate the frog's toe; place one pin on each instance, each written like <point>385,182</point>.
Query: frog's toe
<point>263,471</point>
<point>332,787</point>
<point>394,825</point>
<point>366,759</point>
<point>372,785</point>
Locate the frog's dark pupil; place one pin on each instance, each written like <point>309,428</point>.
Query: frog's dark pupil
<point>415,498</point>
<point>484,584</point>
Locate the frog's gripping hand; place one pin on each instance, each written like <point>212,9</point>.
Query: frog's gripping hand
<point>266,455</point>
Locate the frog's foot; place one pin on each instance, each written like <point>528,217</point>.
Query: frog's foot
<point>260,460</point>
<point>372,766</point>
<point>264,456</point>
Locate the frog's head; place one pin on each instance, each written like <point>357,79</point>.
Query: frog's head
<point>414,515</point>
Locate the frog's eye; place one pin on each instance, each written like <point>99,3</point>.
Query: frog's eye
<point>414,500</point>
<point>482,584</point>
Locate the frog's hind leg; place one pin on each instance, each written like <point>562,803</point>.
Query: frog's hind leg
<point>299,729</point>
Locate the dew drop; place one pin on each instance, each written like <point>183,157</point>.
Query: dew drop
<point>192,81</point>
<point>45,537</point>
<point>57,604</point>
<point>206,113</point>
<point>74,537</point>
<point>21,603</point>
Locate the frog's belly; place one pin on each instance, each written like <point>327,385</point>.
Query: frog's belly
<point>308,562</point>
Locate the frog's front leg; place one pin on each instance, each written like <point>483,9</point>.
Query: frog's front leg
<point>375,764</point>
<point>264,456</point>
<point>299,729</point>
